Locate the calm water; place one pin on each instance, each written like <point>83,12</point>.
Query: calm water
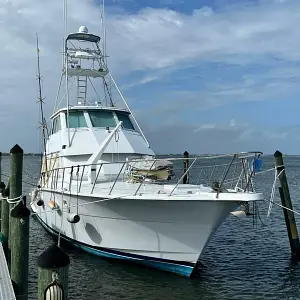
<point>242,261</point>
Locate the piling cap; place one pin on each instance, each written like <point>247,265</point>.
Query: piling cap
<point>16,149</point>
<point>277,154</point>
<point>19,211</point>
<point>53,257</point>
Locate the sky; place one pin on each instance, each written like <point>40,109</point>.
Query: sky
<point>206,76</point>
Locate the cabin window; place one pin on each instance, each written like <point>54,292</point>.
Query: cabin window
<point>77,119</point>
<point>56,125</point>
<point>126,121</point>
<point>102,118</point>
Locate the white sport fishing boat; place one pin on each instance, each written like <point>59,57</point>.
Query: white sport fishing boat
<point>102,188</point>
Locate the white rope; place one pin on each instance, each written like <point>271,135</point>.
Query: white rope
<point>273,192</point>
<point>12,200</point>
<point>262,172</point>
<point>284,207</point>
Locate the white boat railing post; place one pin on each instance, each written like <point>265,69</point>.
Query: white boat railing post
<point>81,178</point>
<point>144,178</point>
<point>71,178</point>
<point>244,173</point>
<point>93,173</point>
<point>233,176</point>
<point>56,178</point>
<point>211,175</point>
<point>182,176</point>
<point>250,174</point>
<point>225,175</point>
<point>0,166</point>
<point>111,189</point>
<point>96,178</point>
<point>62,179</point>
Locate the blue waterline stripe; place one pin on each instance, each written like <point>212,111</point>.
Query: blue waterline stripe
<point>158,263</point>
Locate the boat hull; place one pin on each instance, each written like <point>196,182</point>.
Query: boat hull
<point>180,268</point>
<point>166,235</point>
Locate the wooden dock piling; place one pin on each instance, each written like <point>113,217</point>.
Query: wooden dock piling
<point>53,265</point>
<point>16,173</point>
<point>0,166</point>
<point>5,219</point>
<point>19,242</point>
<point>185,179</point>
<point>2,192</point>
<point>2,185</point>
<point>287,202</point>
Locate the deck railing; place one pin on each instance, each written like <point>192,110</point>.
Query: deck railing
<point>235,173</point>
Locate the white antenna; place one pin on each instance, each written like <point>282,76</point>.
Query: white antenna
<point>66,66</point>
<point>41,101</point>
<point>103,32</point>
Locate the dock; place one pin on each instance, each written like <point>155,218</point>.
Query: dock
<point>6,287</point>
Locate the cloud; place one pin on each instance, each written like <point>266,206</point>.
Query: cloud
<point>205,127</point>
<point>162,38</point>
<point>233,136</point>
<point>174,66</point>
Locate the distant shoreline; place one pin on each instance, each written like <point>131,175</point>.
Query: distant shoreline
<point>25,154</point>
<point>178,154</point>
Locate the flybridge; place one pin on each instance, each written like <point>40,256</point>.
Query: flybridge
<point>84,67</point>
<point>84,62</point>
<point>83,35</point>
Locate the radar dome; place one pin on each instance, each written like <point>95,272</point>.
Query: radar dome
<point>83,29</point>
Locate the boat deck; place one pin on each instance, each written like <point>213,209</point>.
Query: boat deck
<point>126,190</point>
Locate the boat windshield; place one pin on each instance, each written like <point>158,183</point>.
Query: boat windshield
<point>77,119</point>
<point>126,121</point>
<point>107,119</point>
<point>102,119</point>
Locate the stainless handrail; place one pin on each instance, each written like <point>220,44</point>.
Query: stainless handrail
<point>62,181</point>
<point>176,158</point>
<point>116,179</point>
<point>226,173</point>
<point>182,176</point>
<point>71,178</point>
<point>81,178</point>
<point>96,179</point>
<point>211,175</point>
<point>143,179</point>
<point>240,160</point>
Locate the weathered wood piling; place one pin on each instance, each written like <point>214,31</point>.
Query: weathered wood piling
<point>53,263</point>
<point>18,241</point>
<point>0,166</point>
<point>20,248</point>
<point>16,173</point>
<point>2,192</point>
<point>185,179</point>
<point>53,266</point>
<point>287,202</point>
<point>5,219</point>
<point>2,185</point>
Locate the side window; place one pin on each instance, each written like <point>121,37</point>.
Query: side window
<point>102,119</point>
<point>126,121</point>
<point>56,125</point>
<point>77,119</point>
